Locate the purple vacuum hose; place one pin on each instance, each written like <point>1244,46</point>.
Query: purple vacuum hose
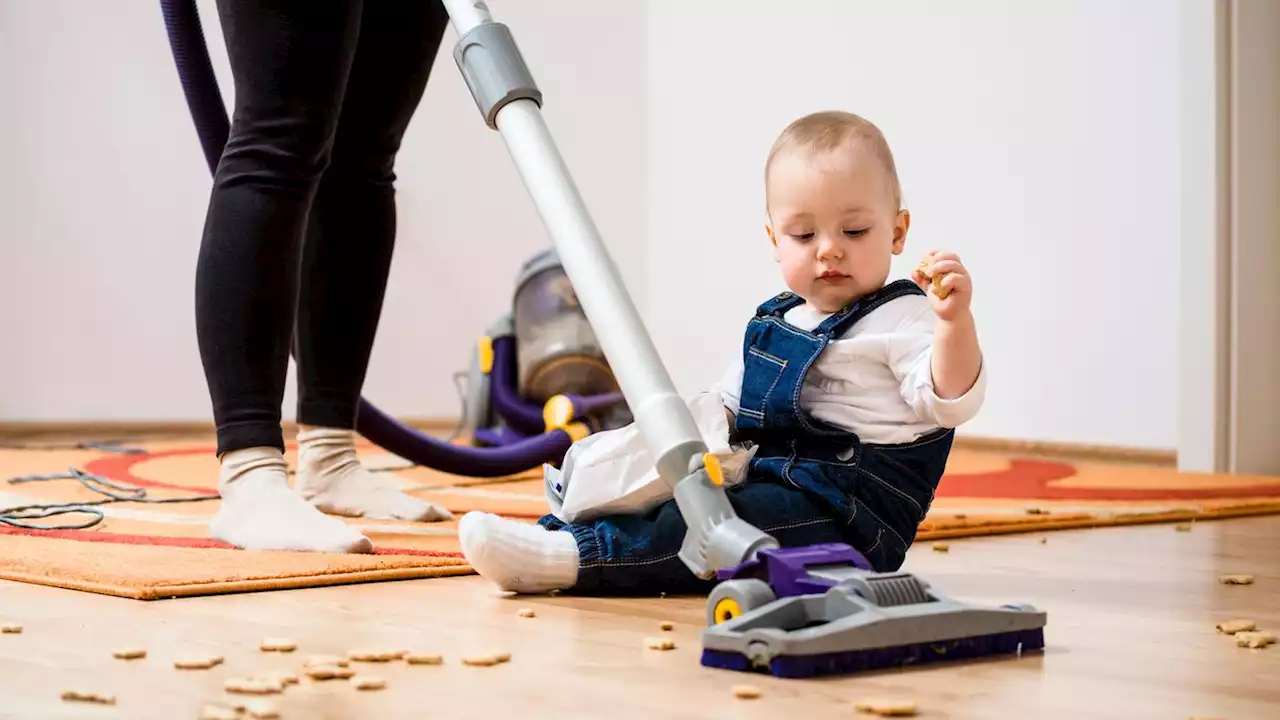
<point>518,412</point>
<point>459,459</point>
<point>200,86</point>
<point>195,72</point>
<point>499,436</point>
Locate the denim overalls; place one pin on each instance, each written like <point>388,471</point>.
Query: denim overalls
<point>809,482</point>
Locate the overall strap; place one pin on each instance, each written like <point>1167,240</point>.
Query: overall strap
<point>840,322</point>
<point>779,304</point>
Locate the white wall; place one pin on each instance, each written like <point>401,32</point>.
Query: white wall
<point>1037,140</point>
<point>104,202</point>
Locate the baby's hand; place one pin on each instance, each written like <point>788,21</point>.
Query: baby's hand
<point>947,282</point>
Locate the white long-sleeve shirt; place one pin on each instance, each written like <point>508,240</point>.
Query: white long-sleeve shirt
<point>875,380</point>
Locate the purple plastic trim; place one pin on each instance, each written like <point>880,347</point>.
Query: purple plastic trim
<point>786,569</point>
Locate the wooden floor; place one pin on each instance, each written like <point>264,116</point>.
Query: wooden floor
<point>1131,635</point>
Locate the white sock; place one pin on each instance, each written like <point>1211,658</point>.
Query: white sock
<point>331,477</point>
<point>517,556</point>
<point>261,512</point>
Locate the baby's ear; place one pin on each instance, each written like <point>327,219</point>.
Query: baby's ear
<point>901,224</point>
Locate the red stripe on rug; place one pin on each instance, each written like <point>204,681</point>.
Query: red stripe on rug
<point>1034,480</point>
<point>1021,480</point>
<point>177,541</point>
<point>120,469</point>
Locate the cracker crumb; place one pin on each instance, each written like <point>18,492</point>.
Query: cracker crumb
<point>198,663</point>
<point>129,653</point>
<point>275,644</point>
<point>328,672</point>
<point>886,707</point>
<point>746,692</point>
<point>1044,541</point>
<point>376,655</point>
<point>1231,627</point>
<point>424,659</point>
<point>657,643</point>
<point>368,682</point>
<point>253,686</point>
<point>10,628</point>
<point>667,626</point>
<point>1255,639</point>
<point>526,612</point>
<point>1037,511</point>
<point>1182,527</point>
<point>942,547</point>
<point>481,660</point>
<point>935,282</point>
<point>88,696</point>
<point>1239,579</point>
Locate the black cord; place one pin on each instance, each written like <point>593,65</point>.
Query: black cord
<point>115,492</point>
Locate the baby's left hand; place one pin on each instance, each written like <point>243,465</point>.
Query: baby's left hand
<point>947,282</point>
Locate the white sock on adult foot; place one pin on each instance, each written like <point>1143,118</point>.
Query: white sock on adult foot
<point>517,556</point>
<point>332,478</point>
<point>261,512</point>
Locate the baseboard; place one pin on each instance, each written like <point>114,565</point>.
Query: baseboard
<point>124,429</point>
<point>1075,451</point>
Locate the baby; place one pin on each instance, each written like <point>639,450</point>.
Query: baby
<point>849,385</point>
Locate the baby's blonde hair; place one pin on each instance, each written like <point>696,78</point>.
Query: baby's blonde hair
<point>835,129</point>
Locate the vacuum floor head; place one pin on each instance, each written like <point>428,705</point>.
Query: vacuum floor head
<point>863,621</point>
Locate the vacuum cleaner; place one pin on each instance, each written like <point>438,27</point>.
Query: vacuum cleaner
<point>792,612</point>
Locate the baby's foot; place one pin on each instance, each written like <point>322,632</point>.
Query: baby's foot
<point>331,477</point>
<point>517,556</point>
<point>261,512</point>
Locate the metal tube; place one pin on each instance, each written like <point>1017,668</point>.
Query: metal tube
<point>466,14</point>
<point>663,417</point>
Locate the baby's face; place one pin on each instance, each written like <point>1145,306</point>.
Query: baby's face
<point>834,225</point>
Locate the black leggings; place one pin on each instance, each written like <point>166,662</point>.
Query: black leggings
<point>302,211</point>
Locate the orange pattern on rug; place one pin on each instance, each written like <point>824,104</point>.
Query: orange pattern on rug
<point>150,550</point>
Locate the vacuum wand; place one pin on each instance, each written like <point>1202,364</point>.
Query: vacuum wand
<point>511,103</point>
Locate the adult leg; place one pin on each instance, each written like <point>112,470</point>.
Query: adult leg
<point>290,60</point>
<point>347,258</point>
<point>629,554</point>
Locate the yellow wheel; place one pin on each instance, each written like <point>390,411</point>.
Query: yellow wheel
<point>727,609</point>
<point>735,598</point>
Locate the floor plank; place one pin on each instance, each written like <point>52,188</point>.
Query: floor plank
<point>1131,634</point>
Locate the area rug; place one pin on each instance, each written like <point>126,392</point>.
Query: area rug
<point>161,550</point>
